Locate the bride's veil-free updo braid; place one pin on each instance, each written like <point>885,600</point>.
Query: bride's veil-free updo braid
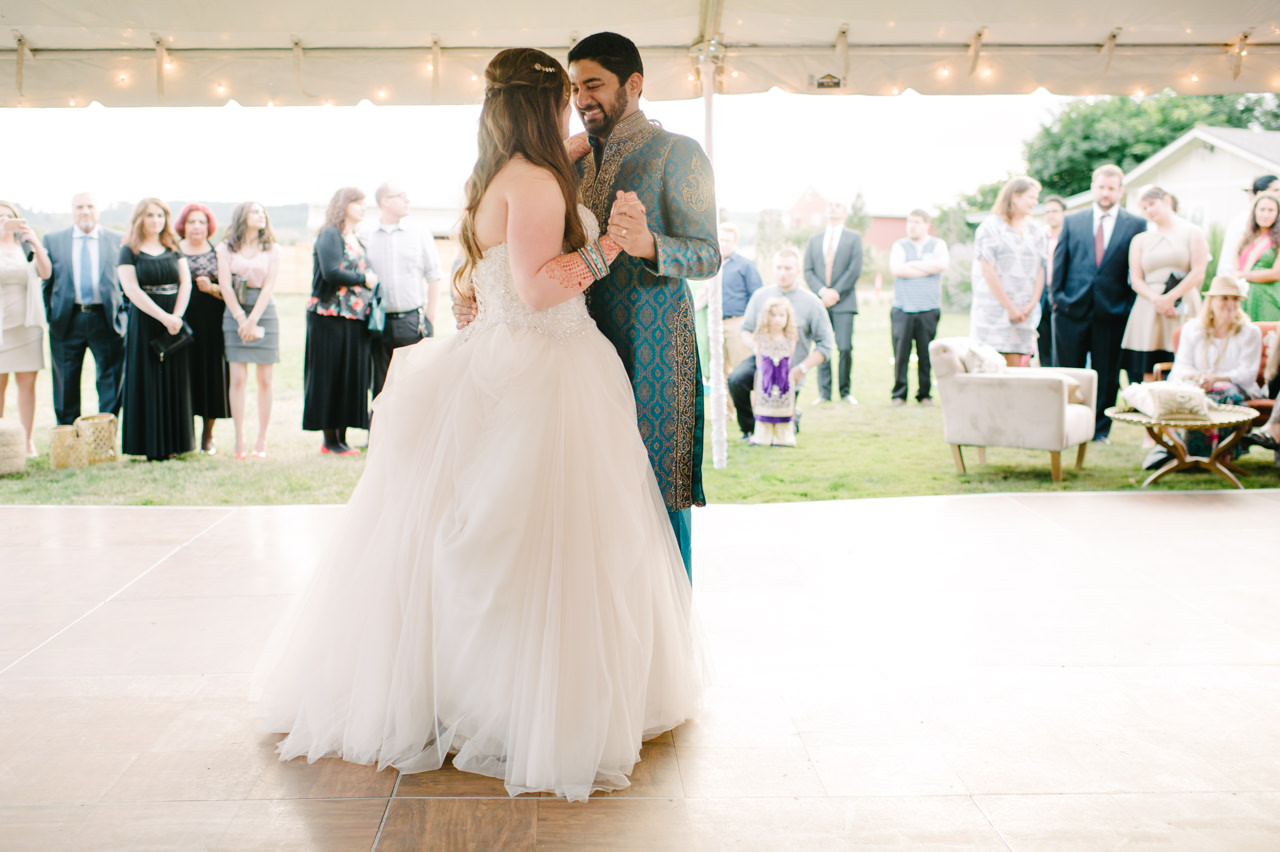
<point>525,94</point>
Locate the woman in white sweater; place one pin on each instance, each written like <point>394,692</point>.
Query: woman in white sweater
<point>1220,350</point>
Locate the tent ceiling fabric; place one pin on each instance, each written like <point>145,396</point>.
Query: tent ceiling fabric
<point>67,52</point>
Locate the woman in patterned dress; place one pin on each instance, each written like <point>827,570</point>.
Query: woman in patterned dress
<point>195,226</point>
<point>338,370</point>
<point>1008,274</point>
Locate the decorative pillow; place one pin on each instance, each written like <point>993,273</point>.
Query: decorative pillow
<point>1174,401</point>
<point>1074,394</point>
<point>1136,396</point>
<point>982,358</point>
<point>1179,401</point>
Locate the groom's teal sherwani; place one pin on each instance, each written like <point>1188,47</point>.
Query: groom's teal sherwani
<point>644,308</point>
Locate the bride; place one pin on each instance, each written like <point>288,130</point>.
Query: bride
<point>505,586</point>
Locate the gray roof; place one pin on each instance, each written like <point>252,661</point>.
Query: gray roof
<point>1260,143</point>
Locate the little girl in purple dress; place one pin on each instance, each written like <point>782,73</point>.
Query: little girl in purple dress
<point>773,400</point>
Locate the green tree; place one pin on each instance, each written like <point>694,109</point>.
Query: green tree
<point>1126,131</point>
<point>859,219</point>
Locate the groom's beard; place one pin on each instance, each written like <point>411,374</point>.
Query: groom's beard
<point>609,116</point>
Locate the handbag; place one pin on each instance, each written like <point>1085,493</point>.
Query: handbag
<point>171,343</point>
<point>377,314</point>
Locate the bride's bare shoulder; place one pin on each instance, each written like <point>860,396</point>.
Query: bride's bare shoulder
<point>519,173</point>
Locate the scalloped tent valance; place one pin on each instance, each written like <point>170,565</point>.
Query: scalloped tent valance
<point>195,53</point>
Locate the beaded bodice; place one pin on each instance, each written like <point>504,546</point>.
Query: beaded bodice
<point>498,303</point>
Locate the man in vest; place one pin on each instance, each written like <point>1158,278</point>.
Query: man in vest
<point>917,263</point>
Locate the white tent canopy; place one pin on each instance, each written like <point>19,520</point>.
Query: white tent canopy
<point>300,52</point>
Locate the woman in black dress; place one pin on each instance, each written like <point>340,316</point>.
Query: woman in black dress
<point>337,372</point>
<point>157,390</point>
<point>209,372</point>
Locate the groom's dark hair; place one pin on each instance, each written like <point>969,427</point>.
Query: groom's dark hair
<point>617,54</point>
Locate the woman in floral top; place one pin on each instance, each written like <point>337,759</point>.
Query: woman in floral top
<point>337,373</point>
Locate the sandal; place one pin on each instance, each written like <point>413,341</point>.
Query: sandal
<point>1261,438</point>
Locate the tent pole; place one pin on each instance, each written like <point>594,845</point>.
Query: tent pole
<point>719,397</point>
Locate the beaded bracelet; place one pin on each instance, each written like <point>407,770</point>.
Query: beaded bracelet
<point>593,256</point>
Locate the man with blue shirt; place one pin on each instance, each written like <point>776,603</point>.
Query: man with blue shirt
<point>917,264</point>
<point>739,279</point>
<point>86,310</point>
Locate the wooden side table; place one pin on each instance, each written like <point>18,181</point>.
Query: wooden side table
<point>1236,418</point>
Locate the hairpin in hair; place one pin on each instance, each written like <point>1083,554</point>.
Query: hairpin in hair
<point>541,67</point>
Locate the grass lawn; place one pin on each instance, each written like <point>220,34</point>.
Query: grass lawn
<point>868,450</point>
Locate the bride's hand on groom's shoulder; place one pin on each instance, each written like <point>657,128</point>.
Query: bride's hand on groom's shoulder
<point>464,313</point>
<point>577,146</point>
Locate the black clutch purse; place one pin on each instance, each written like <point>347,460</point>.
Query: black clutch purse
<point>170,343</point>
<point>1173,281</point>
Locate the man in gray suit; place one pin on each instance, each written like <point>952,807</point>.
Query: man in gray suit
<point>832,264</point>
<point>85,309</point>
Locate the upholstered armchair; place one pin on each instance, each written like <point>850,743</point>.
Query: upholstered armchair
<point>1032,408</point>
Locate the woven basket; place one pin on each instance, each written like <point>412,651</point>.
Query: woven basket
<point>13,448</point>
<point>98,431</point>
<point>66,449</point>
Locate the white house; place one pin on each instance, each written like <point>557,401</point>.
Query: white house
<point>1207,169</point>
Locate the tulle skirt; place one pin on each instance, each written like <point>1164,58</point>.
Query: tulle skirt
<point>504,584</point>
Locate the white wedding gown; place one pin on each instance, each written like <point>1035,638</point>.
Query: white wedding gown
<point>504,583</point>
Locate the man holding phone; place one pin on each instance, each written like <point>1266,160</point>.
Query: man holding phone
<point>85,309</point>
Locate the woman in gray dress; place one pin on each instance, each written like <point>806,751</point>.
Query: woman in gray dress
<point>248,263</point>
<point>21,313</point>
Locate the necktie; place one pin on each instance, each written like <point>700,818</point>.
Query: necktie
<point>86,272</point>
<point>1099,241</point>
<point>830,255</point>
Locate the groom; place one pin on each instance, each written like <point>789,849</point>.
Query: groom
<point>665,220</point>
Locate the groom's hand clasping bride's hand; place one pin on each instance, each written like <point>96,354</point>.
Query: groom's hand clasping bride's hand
<point>629,227</point>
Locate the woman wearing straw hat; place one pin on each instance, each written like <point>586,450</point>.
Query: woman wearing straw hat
<point>1219,351</point>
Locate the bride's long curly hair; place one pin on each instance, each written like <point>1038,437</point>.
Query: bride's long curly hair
<point>525,94</point>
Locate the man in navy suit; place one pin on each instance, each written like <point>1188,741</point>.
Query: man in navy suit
<point>85,309</point>
<point>832,264</point>
<point>1091,296</point>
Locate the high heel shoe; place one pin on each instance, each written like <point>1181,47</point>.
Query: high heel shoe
<point>240,456</point>
<point>259,455</point>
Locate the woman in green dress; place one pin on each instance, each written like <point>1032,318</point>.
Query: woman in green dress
<point>1258,259</point>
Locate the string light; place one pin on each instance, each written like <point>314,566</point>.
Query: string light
<point>1195,78</point>
<point>71,103</point>
<point>945,72</point>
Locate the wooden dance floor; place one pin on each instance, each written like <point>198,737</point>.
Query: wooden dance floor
<point>1030,672</point>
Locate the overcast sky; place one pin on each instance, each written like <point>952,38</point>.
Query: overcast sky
<point>901,152</point>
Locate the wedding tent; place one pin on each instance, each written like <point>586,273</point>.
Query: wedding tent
<point>197,53</point>
<point>68,53</point>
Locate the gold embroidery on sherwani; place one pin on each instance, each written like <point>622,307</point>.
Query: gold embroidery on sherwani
<point>596,190</point>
